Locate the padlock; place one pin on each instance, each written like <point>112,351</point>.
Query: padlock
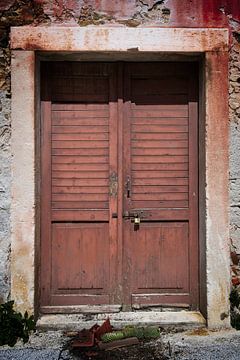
<point>137,220</point>
<point>136,223</point>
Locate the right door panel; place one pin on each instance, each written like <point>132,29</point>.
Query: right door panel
<point>161,185</point>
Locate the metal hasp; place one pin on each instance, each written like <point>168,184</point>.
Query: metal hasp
<point>135,214</point>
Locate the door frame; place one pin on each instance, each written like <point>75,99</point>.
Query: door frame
<point>214,223</point>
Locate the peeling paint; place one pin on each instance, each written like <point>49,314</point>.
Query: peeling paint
<point>119,39</point>
<point>234,177</point>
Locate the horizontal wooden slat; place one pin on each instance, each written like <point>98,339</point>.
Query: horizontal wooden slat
<point>80,197</point>
<point>141,159</point>
<point>147,189</point>
<point>78,107</point>
<point>159,151</point>
<point>163,174</point>
<point>162,181</point>
<point>160,121</point>
<point>164,143</point>
<point>80,114</point>
<point>160,196</point>
<point>80,190</point>
<point>80,167</point>
<point>159,128</point>
<point>143,112</point>
<point>160,204</point>
<point>74,137</point>
<point>86,174</point>
<point>166,166</point>
<point>75,145</point>
<point>79,215</point>
<point>160,136</point>
<point>79,129</point>
<point>68,122</point>
<point>84,151</point>
<point>151,214</point>
<point>81,182</point>
<point>80,159</point>
<point>80,205</point>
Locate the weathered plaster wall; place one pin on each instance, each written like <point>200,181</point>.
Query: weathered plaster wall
<point>234,117</point>
<point>11,13</point>
<point>5,176</point>
<point>5,170</point>
<point>163,13</point>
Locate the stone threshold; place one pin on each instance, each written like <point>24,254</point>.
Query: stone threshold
<point>178,320</point>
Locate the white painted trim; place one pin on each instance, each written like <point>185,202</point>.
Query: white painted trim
<point>97,38</point>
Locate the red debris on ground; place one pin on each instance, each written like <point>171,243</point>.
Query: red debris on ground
<point>89,338</point>
<point>103,329</point>
<point>85,338</point>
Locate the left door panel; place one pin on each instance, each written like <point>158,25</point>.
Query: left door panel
<point>78,157</point>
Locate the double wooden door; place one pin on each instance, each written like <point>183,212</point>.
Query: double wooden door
<point>119,185</point>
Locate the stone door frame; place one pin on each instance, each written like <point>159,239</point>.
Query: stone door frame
<point>209,44</point>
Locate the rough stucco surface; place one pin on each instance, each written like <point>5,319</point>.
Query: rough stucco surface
<point>133,13</point>
<point>5,173</point>
<point>234,117</point>
<point>5,177</point>
<point>234,109</point>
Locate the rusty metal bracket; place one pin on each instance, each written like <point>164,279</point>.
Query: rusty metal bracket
<point>113,184</point>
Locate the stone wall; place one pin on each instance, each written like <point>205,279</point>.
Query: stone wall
<point>133,13</point>
<point>5,166</point>
<point>234,176</point>
<point>5,180</point>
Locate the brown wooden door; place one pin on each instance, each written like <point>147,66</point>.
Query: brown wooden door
<point>161,185</point>
<point>79,156</point>
<point>118,141</point>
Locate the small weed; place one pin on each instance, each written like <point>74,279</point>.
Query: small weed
<point>235,311</point>
<point>14,325</point>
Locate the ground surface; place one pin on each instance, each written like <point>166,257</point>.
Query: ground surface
<point>192,345</point>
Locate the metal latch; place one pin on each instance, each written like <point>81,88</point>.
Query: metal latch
<point>134,214</point>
